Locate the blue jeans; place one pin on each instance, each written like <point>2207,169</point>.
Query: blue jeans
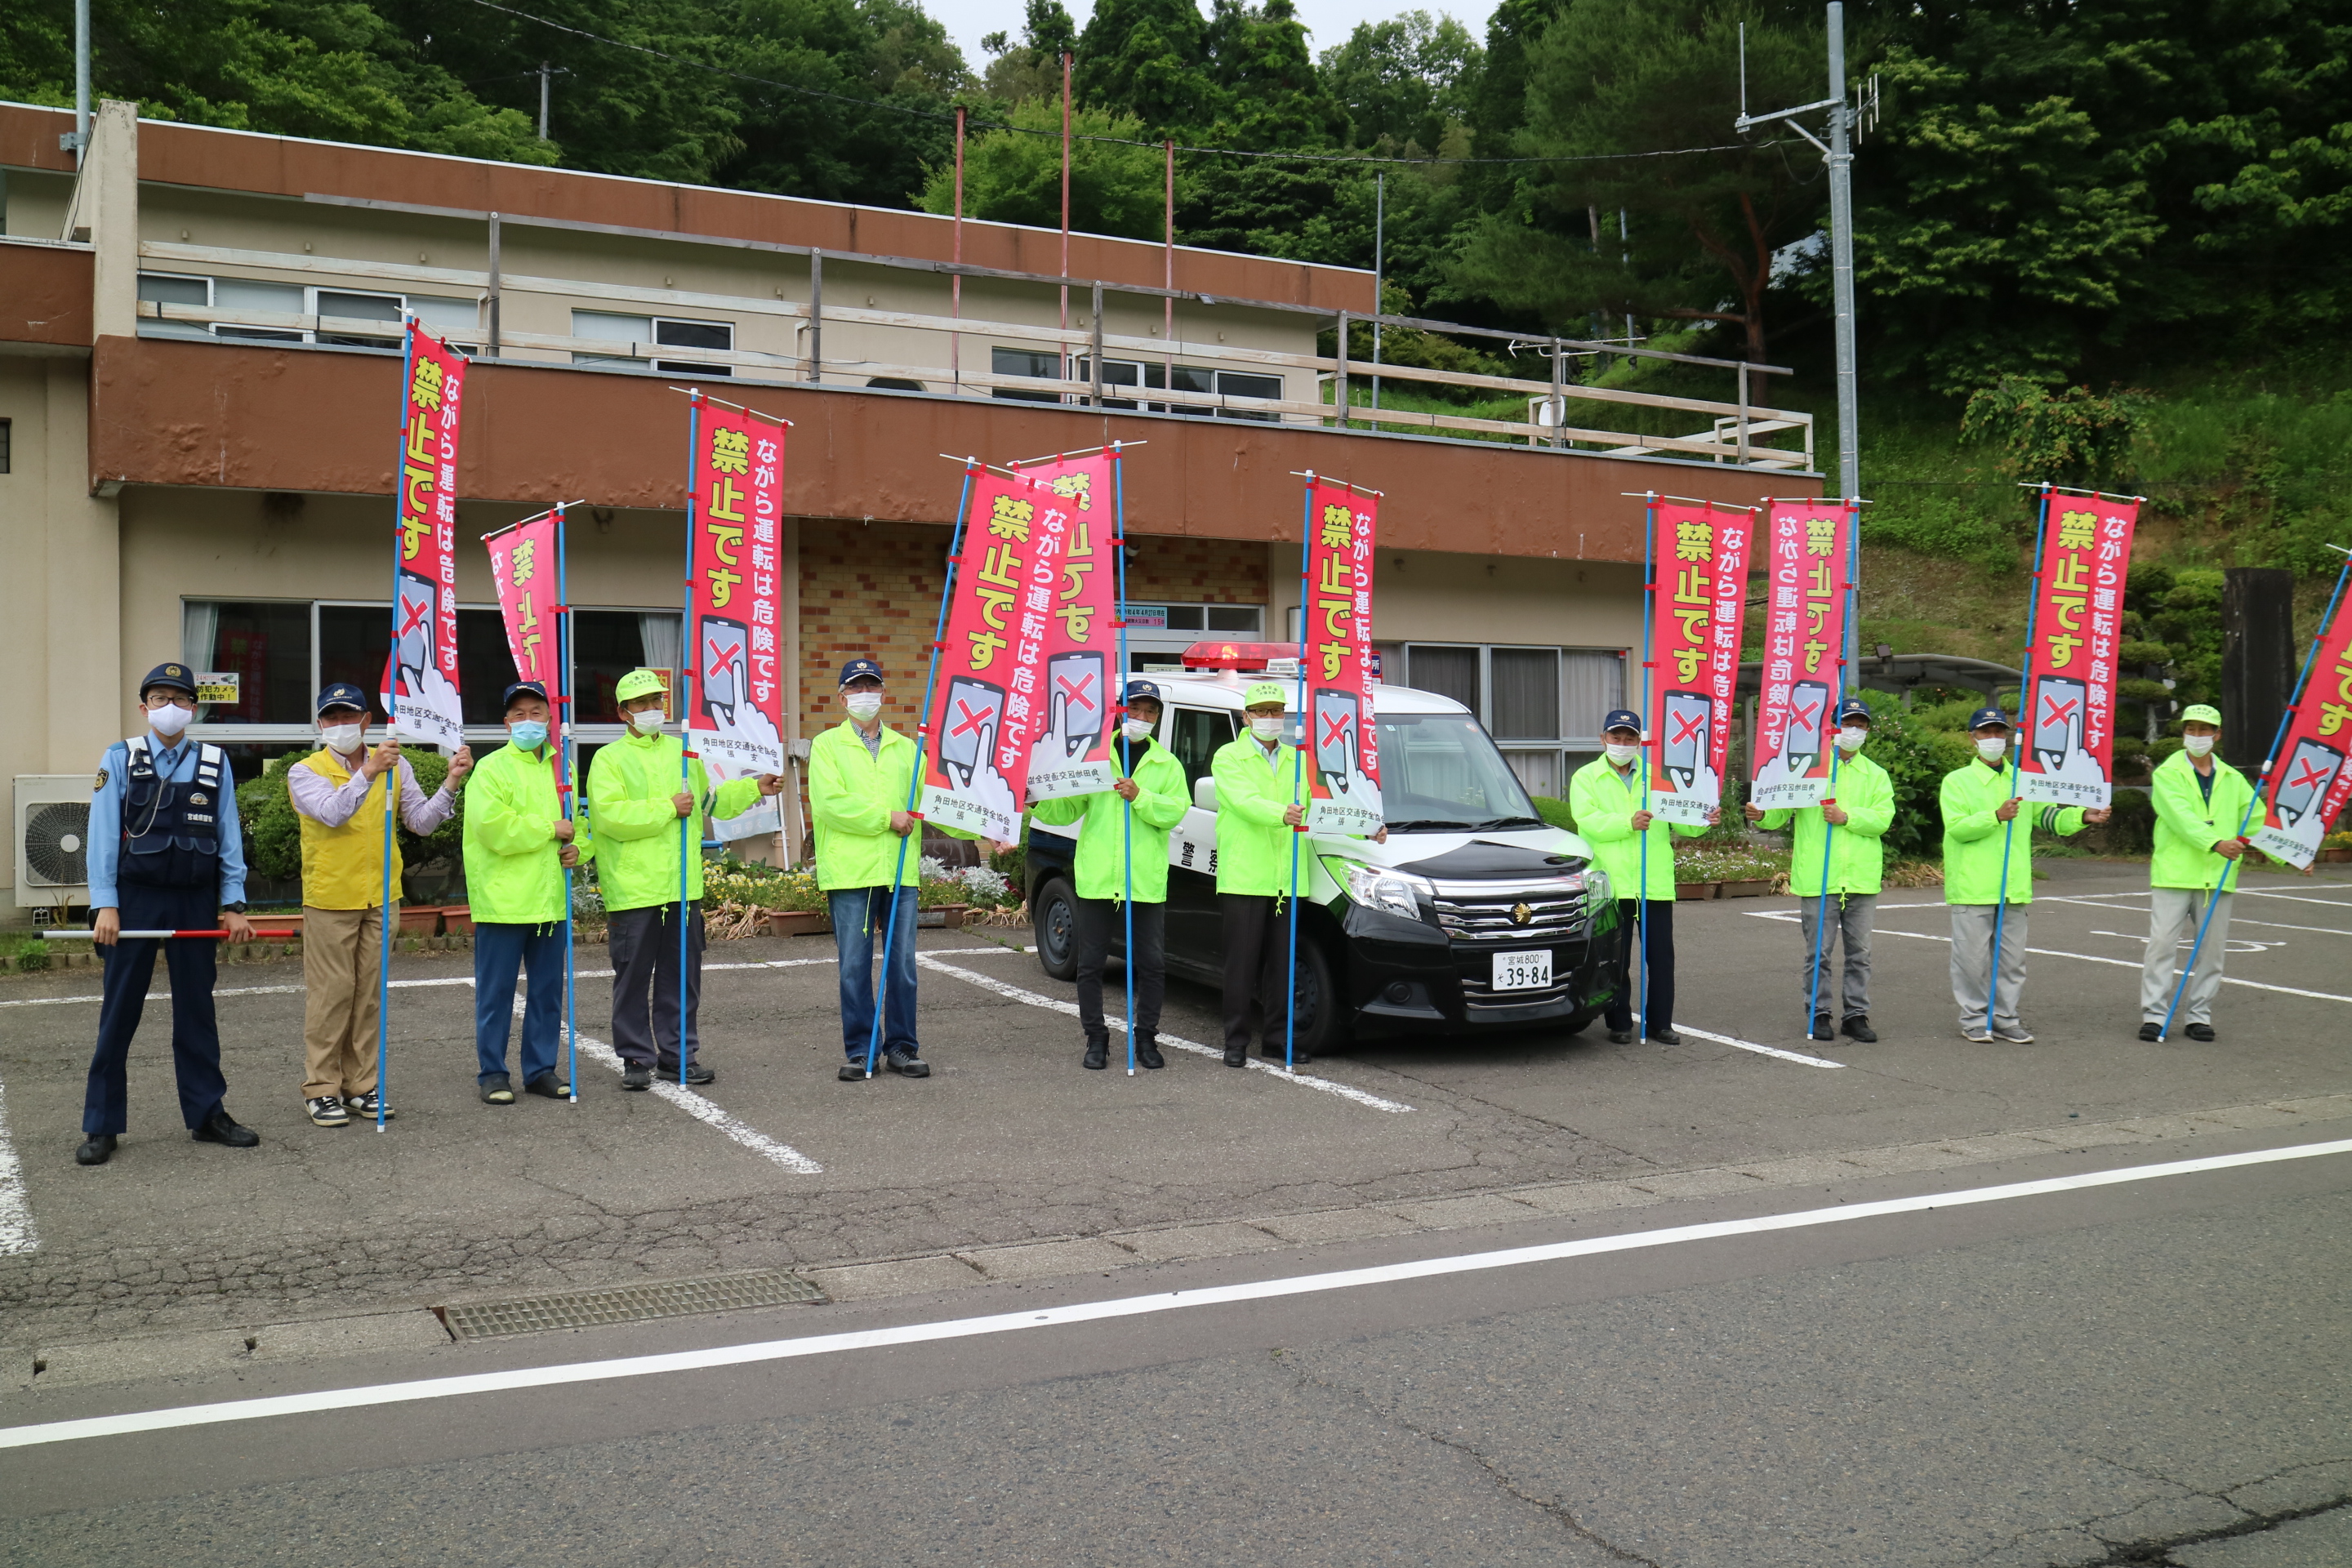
<point>859,915</point>
<point>500,951</point>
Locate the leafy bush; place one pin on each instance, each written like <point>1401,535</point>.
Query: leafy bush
<point>1916,749</point>
<point>2073,437</point>
<point>274,829</point>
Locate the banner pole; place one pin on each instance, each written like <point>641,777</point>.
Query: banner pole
<point>563,790</point>
<point>1821,915</point>
<point>392,723</point>
<point>2223,889</point>
<point>1642,839</point>
<point>1126,807</point>
<point>688,832</point>
<point>1297,773</point>
<point>2017,756</point>
<point>915,780</point>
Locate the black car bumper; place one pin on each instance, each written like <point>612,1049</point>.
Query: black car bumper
<point>1406,976</point>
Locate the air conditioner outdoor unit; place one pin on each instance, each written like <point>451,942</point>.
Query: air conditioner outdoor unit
<point>52,839</point>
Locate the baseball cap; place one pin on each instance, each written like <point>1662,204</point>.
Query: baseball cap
<point>2202,713</point>
<point>341,694</point>
<point>522,689</point>
<point>640,683</point>
<point>860,670</point>
<point>1139,690</point>
<point>174,676</point>
<point>1853,707</point>
<point>1264,691</point>
<point>1621,719</point>
<point>1985,716</point>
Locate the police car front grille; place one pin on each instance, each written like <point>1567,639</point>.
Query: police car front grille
<point>1496,917</point>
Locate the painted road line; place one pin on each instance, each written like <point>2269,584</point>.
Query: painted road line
<point>2237,920</point>
<point>2297,898</point>
<point>2094,958</point>
<point>696,1106</point>
<point>17,1235</point>
<point>1036,999</point>
<point>1760,1051</point>
<point>765,1351</point>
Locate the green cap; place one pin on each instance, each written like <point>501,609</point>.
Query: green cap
<point>2202,713</point>
<point>640,683</point>
<point>1264,691</point>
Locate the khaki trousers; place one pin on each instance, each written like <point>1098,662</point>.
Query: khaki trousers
<point>342,956</point>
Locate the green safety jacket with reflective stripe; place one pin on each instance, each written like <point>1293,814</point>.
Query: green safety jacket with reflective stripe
<point>514,875</point>
<point>1974,836</point>
<point>1253,841</point>
<point>1603,803</point>
<point>2188,825</point>
<point>638,830</point>
<point>852,793</point>
<point>1857,849</point>
<point>1104,852</point>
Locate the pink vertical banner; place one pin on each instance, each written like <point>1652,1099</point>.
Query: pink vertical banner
<point>2068,751</point>
<point>420,679</point>
<point>522,571</point>
<point>1804,640</point>
<point>1342,732</point>
<point>1700,606</point>
<point>1080,683</point>
<point>735,694</point>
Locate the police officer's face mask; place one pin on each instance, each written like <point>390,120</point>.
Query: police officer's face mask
<point>171,718</point>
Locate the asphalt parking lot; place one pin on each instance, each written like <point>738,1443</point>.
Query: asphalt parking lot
<point>1009,1143</point>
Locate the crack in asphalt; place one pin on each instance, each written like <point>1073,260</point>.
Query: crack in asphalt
<point>2156,1551</point>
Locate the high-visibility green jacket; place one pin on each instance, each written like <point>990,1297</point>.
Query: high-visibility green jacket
<point>2188,825</point>
<point>1253,841</point>
<point>1603,803</point>
<point>1104,842</point>
<point>513,873</point>
<point>1974,836</point>
<point>1857,848</point>
<point>639,831</point>
<point>852,793</point>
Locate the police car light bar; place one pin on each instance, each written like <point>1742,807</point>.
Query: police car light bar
<point>1243,657</point>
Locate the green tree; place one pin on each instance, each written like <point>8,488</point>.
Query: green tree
<point>1147,58</point>
<point>1404,83</point>
<point>1015,175</point>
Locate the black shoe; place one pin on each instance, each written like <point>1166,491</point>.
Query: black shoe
<point>498,1089</point>
<point>1237,1058</point>
<point>1665,1036</point>
<point>695,1073</point>
<point>2202,1033</point>
<point>1822,1030</point>
<point>96,1149</point>
<point>852,1072</point>
<point>1858,1028</point>
<point>549,1085</point>
<point>1147,1053</point>
<point>636,1075</point>
<point>2151,1033</point>
<point>1097,1056</point>
<point>1621,1036</point>
<point>907,1064</point>
<point>221,1128</point>
<point>1298,1057</point>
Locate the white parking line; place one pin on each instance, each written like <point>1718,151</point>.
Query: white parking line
<point>700,1108</point>
<point>809,1345</point>
<point>2092,958</point>
<point>17,1233</point>
<point>1036,999</point>
<point>2274,925</point>
<point>2297,898</point>
<point>1760,1051</point>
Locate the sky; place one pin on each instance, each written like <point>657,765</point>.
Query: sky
<point>1328,22</point>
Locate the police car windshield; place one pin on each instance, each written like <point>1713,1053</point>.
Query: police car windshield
<point>1440,772</point>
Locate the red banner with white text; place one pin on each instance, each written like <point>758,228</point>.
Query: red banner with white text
<point>1698,609</point>
<point>523,573</point>
<point>2066,752</point>
<point>734,697</point>
<point>2309,784</point>
<point>1805,554</point>
<point>420,677</point>
<point>1336,637</point>
<point>1079,683</point>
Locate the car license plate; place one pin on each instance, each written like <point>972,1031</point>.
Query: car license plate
<point>1523,971</point>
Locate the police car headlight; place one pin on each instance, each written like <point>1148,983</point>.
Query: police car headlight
<point>1377,888</point>
<point>1597,890</point>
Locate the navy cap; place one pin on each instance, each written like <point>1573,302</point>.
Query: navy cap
<point>859,670</point>
<point>341,694</point>
<point>522,689</point>
<point>174,676</point>
<point>1137,689</point>
<point>1621,719</point>
<point>1853,707</point>
<point>1984,716</point>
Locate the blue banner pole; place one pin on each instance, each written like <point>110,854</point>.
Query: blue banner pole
<point>690,826</point>
<point>390,717</point>
<point>915,782</point>
<point>1126,807</point>
<point>1297,773</point>
<point>2269,758</point>
<point>1642,839</point>
<point>2017,758</point>
<point>563,789</point>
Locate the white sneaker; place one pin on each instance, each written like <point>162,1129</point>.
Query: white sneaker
<point>327,1111</point>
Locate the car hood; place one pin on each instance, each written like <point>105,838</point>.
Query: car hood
<point>1470,857</point>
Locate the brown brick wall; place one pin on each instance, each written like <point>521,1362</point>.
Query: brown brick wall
<point>1196,572</point>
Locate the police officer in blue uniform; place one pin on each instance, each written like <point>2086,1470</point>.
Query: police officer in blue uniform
<point>165,853</point>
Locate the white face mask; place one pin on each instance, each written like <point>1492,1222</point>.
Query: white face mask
<point>863,705</point>
<point>1992,748</point>
<point>1268,728</point>
<point>170,721</point>
<point>344,737</point>
<point>1851,738</point>
<point>1619,756</point>
<point>646,722</point>
<point>2198,745</point>
<point>1137,729</point>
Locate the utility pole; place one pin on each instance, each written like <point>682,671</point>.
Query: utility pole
<point>1380,280</point>
<point>546,71</point>
<point>77,141</point>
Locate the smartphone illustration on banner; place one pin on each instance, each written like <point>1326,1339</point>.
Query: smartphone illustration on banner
<point>1687,743</point>
<point>413,649</point>
<point>1075,681</point>
<point>1336,740</point>
<point>2060,704</point>
<point>2304,786</point>
<point>974,709</point>
<point>1809,702</point>
<point>726,663</point>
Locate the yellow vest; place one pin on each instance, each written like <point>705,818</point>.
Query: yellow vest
<point>342,867</point>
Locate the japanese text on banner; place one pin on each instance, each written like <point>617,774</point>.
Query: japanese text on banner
<point>1696,615</point>
<point>522,571</point>
<point>420,685</point>
<point>2068,749</point>
<point>2309,781</point>
<point>1804,640</point>
<point>735,689</point>
<point>1336,648</point>
<point>1080,684</point>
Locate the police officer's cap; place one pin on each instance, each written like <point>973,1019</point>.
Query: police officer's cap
<point>341,694</point>
<point>860,670</point>
<point>1141,692</point>
<point>1985,717</point>
<point>174,676</point>
<point>1621,719</point>
<point>522,689</point>
<point>1853,707</point>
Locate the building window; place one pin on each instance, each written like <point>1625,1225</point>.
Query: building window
<point>1025,361</point>
<point>3,446</point>
<point>1139,375</point>
<point>642,333</point>
<point>448,317</point>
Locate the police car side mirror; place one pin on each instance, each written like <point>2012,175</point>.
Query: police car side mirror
<point>1204,794</point>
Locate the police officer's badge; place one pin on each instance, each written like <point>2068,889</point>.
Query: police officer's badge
<point>198,797</point>
<point>101,780</point>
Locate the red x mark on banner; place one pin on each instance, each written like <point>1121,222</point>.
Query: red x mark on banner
<point>413,611</point>
<point>2055,711</point>
<point>2310,776</point>
<point>1076,691</point>
<point>721,654</point>
<point>972,718</point>
<point>1803,715</point>
<point>1687,725</point>
<point>1335,727</point>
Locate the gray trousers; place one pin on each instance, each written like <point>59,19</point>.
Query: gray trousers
<point>1850,920</point>
<point>2172,918</point>
<point>644,946</point>
<point>1972,963</point>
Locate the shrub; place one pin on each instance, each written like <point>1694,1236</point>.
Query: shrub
<point>274,830</point>
<point>1917,751</point>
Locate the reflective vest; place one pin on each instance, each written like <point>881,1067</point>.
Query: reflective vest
<point>342,867</point>
<point>170,831</point>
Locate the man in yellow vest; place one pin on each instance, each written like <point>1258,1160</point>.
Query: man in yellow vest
<point>337,793</point>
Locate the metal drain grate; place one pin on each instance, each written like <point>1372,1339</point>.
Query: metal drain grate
<point>624,1304</point>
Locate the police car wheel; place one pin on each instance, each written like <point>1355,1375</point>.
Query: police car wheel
<point>1319,1014</point>
<point>1056,916</point>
